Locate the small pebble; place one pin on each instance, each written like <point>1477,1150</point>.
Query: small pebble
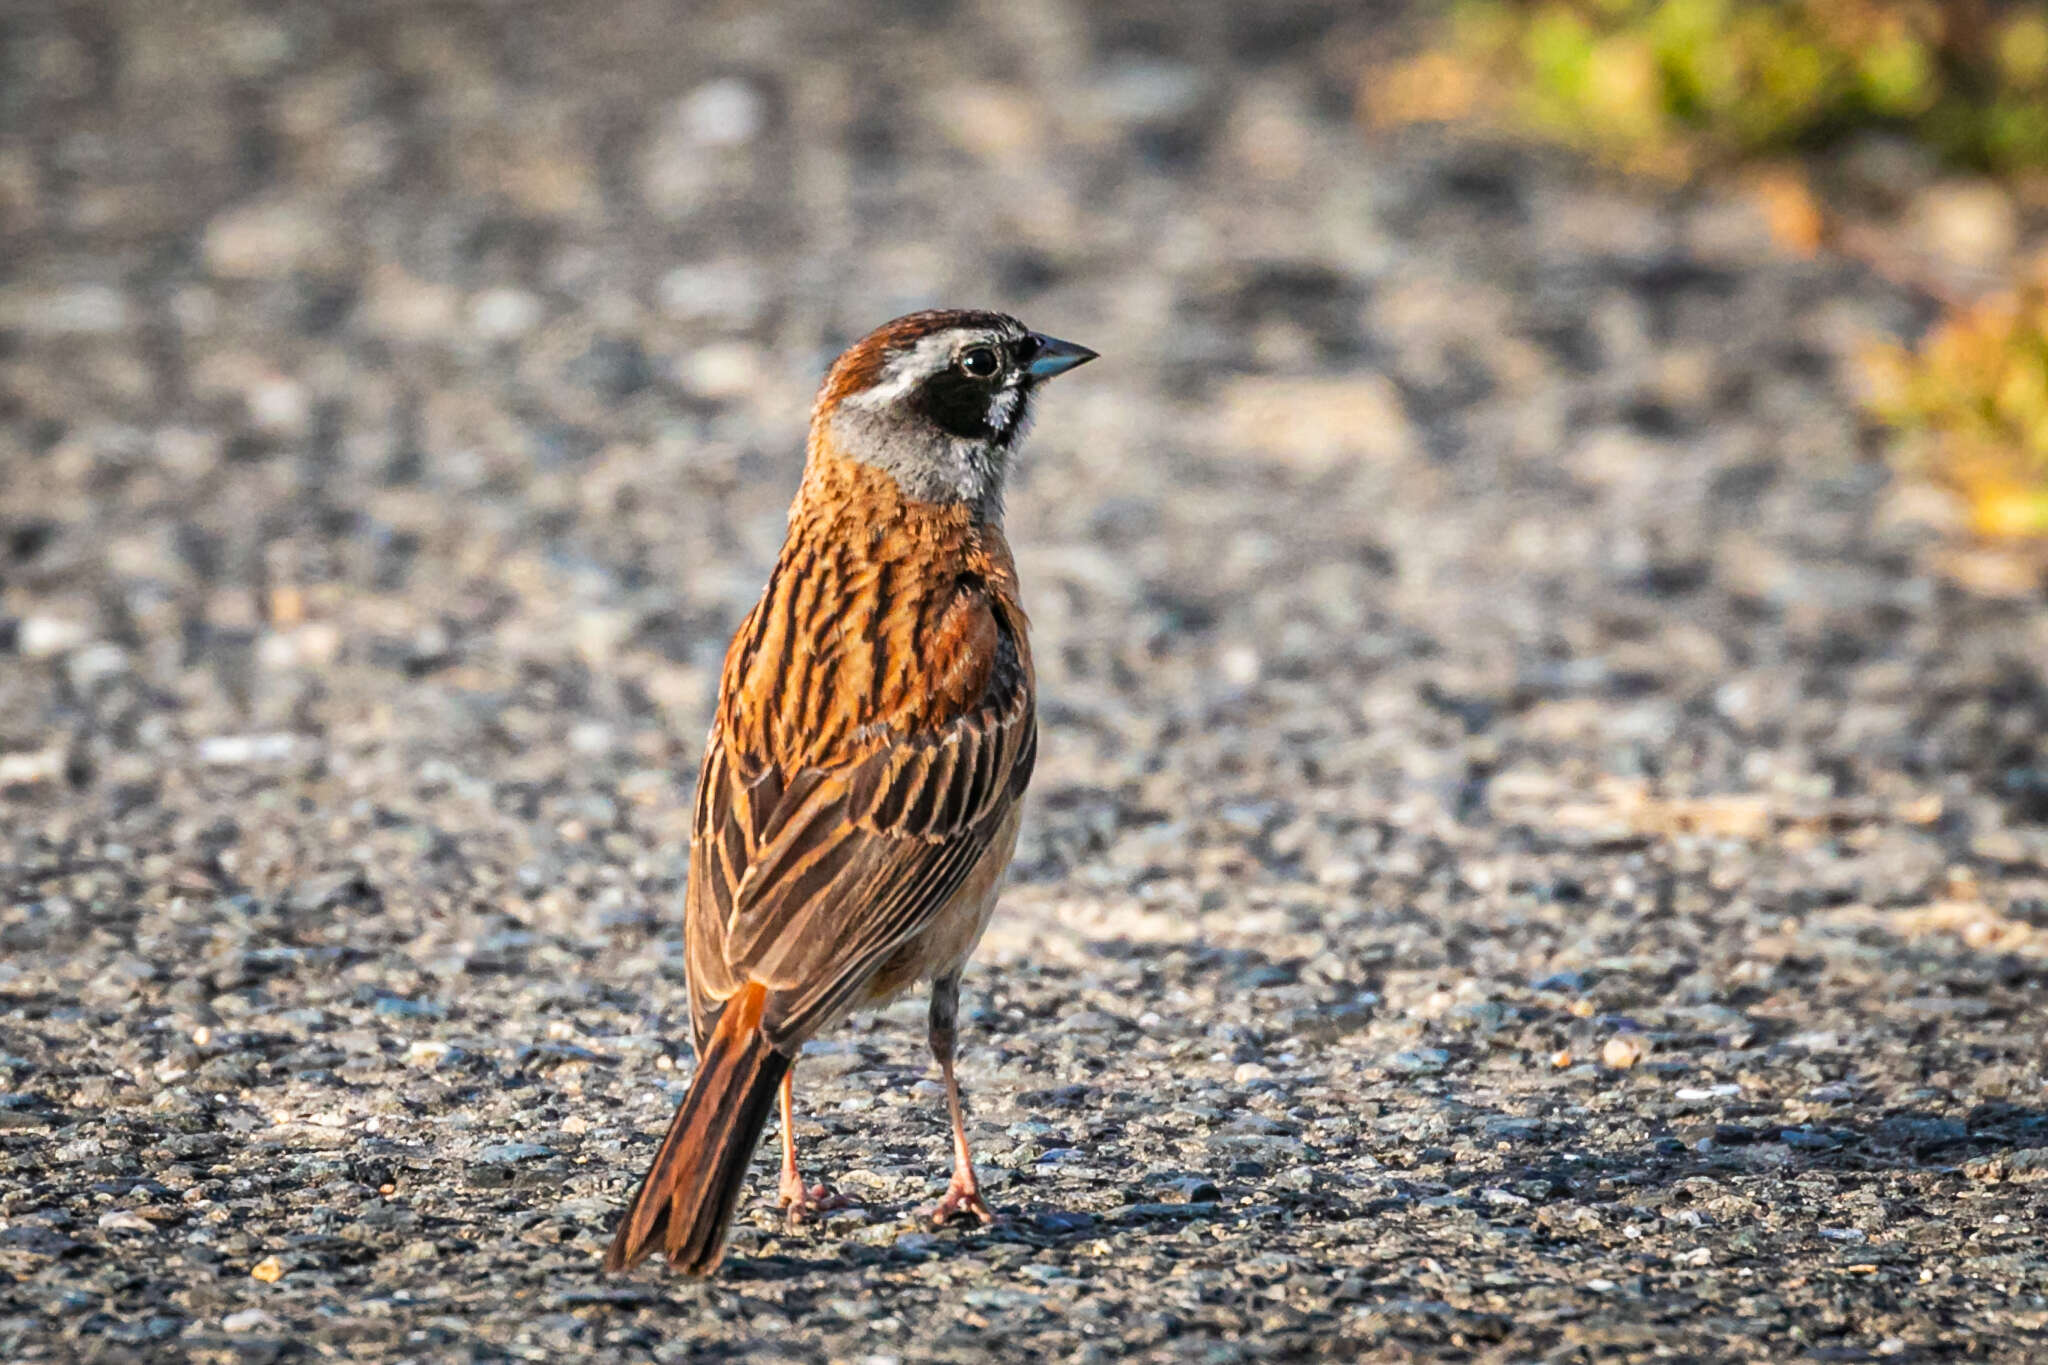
<point>123,1220</point>
<point>250,1319</point>
<point>1624,1050</point>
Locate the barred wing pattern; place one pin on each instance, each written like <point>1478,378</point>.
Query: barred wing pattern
<point>806,878</point>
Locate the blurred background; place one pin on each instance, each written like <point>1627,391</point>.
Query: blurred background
<point>1540,614</point>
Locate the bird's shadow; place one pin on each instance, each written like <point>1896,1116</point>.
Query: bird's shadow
<point>1040,1226</point>
<point>1895,1141</point>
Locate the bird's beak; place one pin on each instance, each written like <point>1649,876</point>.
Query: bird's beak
<point>1055,357</point>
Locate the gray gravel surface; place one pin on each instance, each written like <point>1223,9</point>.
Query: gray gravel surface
<point>1527,862</point>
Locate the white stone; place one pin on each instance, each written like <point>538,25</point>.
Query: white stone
<point>504,312</point>
<point>249,1320</point>
<point>231,751</point>
<point>78,310</point>
<point>44,637</point>
<point>264,240</point>
<point>728,292</point>
<point>728,112</point>
<point>727,369</point>
<point>125,1220</point>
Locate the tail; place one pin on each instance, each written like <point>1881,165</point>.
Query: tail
<point>687,1199</point>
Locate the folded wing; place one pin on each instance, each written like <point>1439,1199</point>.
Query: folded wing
<point>805,878</point>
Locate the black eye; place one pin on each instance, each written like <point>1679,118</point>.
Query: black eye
<point>980,361</point>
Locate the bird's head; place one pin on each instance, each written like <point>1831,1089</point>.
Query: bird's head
<point>938,400</point>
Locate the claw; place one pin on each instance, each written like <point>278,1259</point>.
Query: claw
<point>803,1204</point>
<point>961,1198</point>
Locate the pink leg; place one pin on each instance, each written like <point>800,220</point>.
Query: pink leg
<point>963,1193</point>
<point>803,1202</point>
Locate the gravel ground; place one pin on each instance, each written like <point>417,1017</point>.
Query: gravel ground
<point>1528,862</point>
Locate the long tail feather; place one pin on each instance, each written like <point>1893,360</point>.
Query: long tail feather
<point>686,1202</point>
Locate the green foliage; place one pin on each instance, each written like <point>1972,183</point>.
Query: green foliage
<point>1666,85</point>
<point>1674,87</point>
<point>1976,394</point>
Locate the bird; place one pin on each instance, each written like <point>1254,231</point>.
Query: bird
<point>875,729</point>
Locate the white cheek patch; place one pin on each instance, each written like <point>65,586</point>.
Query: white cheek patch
<point>1002,408</point>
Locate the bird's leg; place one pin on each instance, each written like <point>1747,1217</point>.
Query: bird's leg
<point>963,1194</point>
<point>802,1201</point>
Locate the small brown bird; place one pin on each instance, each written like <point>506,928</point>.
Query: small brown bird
<point>874,734</point>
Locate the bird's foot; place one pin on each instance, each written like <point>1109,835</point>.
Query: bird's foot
<point>962,1196</point>
<point>804,1203</point>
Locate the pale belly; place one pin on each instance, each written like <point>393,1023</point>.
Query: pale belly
<point>945,946</point>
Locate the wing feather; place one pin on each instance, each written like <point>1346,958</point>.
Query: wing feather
<point>816,875</point>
